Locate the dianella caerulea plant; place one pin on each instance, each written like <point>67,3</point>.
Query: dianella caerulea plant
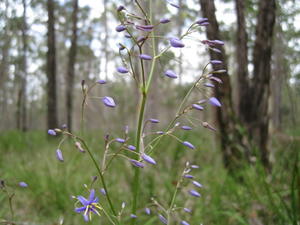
<point>139,28</point>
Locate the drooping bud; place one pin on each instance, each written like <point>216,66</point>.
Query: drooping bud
<point>137,163</point>
<point>164,20</point>
<point>183,222</point>
<point>154,120</point>
<point>109,102</point>
<point>120,140</point>
<point>147,28</point>
<point>59,155</point>
<point>23,184</point>
<point>133,216</point>
<point>186,128</point>
<point>120,28</point>
<point>198,107</point>
<point>188,144</point>
<point>122,69</point>
<point>51,132</point>
<point>147,211</point>
<point>187,210</point>
<point>176,43</point>
<point>148,159</point>
<point>214,101</point>
<point>145,57</point>
<point>189,176</point>
<point>201,21</point>
<point>197,184</point>
<point>101,81</point>
<point>209,85</point>
<point>131,147</point>
<point>216,62</point>
<point>171,74</point>
<point>162,219</point>
<point>194,193</point>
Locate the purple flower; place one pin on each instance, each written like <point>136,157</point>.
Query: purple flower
<point>216,50</point>
<point>188,144</point>
<point>147,28</point>
<point>148,159</point>
<point>59,155</point>
<point>216,62</point>
<point>186,128</point>
<point>201,21</point>
<point>137,163</point>
<point>197,184</point>
<point>131,147</point>
<point>147,211</point>
<point>89,206</point>
<point>176,43</point>
<point>145,57</point>
<point>209,85</point>
<point>187,210</point>
<point>120,140</point>
<point>194,193</point>
<point>120,8</point>
<point>217,42</point>
<point>160,132</point>
<point>175,5</point>
<point>198,107</point>
<point>189,176</point>
<point>109,102</point>
<point>162,219</point>
<point>194,166</point>
<point>120,28</point>
<point>122,69</point>
<point>101,81</point>
<point>23,184</point>
<point>164,20</point>
<point>216,79</point>
<point>127,35</point>
<point>154,120</point>
<point>102,191</point>
<point>51,132</point>
<point>220,71</point>
<point>133,216</point>
<point>214,101</point>
<point>184,222</point>
<point>171,74</point>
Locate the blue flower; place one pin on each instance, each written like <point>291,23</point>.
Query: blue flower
<point>176,43</point>
<point>109,102</point>
<point>89,206</point>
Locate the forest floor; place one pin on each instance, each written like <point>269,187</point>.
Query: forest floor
<point>251,196</point>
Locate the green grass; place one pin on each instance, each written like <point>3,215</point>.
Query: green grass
<point>254,198</point>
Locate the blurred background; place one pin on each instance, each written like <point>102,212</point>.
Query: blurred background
<point>249,167</point>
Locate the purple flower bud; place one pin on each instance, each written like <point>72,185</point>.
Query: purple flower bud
<point>101,81</point>
<point>145,57</point>
<point>214,101</point>
<point>216,50</point>
<point>171,74</point>
<point>201,101</point>
<point>197,184</point>
<point>137,163</point>
<point>147,211</point>
<point>23,184</point>
<point>121,47</point>
<point>59,155</point>
<point>127,35</point>
<point>160,132</point>
<point>148,159</point>
<point>216,79</point>
<point>175,5</point>
<point>120,140</point>
<point>164,20</point>
<point>204,24</point>
<point>122,69</point>
<point>51,132</point>
<point>147,28</point>
<point>102,191</point>
<point>187,210</point>
<point>184,222</point>
<point>109,102</point>
<point>188,144</point>
<point>154,120</point>
<point>220,71</point>
<point>194,166</point>
<point>176,43</point>
<point>198,107</point>
<point>201,21</point>
<point>120,28</point>
<point>133,216</point>
<point>216,62</point>
<point>186,128</point>
<point>131,147</point>
<point>162,219</point>
<point>194,193</point>
<point>209,85</point>
<point>140,39</point>
<point>217,42</point>
<point>120,8</point>
<point>189,176</point>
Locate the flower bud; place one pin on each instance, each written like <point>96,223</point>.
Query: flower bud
<point>120,28</point>
<point>194,193</point>
<point>148,159</point>
<point>23,184</point>
<point>214,101</point>
<point>164,20</point>
<point>59,155</point>
<point>176,43</point>
<point>171,74</point>
<point>122,69</point>
<point>188,144</point>
<point>109,102</point>
<point>145,57</point>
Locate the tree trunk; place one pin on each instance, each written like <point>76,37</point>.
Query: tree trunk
<point>231,139</point>
<point>71,65</point>
<point>242,60</point>
<point>51,68</point>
